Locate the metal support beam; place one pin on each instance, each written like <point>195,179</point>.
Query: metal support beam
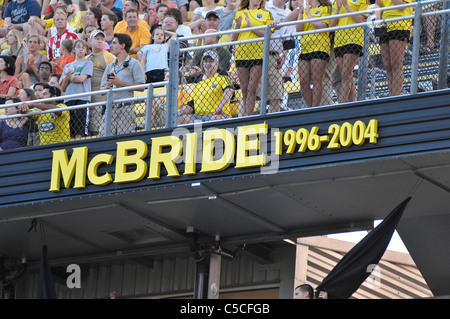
<point>214,276</point>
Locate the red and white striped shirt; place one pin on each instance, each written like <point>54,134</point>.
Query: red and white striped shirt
<point>54,43</point>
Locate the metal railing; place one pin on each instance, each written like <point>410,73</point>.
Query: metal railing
<point>161,110</point>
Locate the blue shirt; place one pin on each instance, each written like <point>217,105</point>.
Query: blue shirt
<point>21,12</point>
<point>156,56</point>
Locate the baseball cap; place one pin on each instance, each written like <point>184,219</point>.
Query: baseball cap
<point>213,55</point>
<point>97,32</point>
<point>212,13</point>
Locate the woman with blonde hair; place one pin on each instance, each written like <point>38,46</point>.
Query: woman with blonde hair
<point>14,39</point>
<point>315,50</point>
<point>249,56</point>
<point>27,64</point>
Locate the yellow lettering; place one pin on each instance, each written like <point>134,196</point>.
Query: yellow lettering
<point>229,144</point>
<point>157,157</point>
<point>62,166</point>
<point>93,167</point>
<point>245,146</point>
<point>190,154</point>
<point>123,160</point>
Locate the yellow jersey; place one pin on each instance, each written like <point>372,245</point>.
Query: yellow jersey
<point>317,41</point>
<point>350,35</point>
<point>251,51</point>
<point>397,25</point>
<point>208,93</point>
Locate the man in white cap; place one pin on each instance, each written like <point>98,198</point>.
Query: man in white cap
<point>211,95</point>
<point>100,59</point>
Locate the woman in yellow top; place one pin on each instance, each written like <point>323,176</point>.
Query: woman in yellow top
<point>248,57</point>
<point>315,50</point>
<point>393,44</point>
<point>348,44</point>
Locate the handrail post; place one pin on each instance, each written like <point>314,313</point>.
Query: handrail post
<point>172,87</point>
<point>416,48</point>
<point>108,112</point>
<point>443,50</point>
<point>363,66</point>
<point>149,108</point>
<point>265,71</point>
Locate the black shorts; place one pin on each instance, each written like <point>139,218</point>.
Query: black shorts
<point>248,63</point>
<point>400,35</point>
<point>314,55</point>
<point>348,49</point>
<point>154,76</point>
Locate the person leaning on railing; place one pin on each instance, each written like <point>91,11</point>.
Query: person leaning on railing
<point>54,126</point>
<point>13,131</point>
<point>315,50</point>
<point>393,43</point>
<point>348,44</point>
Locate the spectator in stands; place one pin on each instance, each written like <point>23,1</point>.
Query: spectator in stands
<point>248,57</point>
<point>154,55</point>
<point>226,15</point>
<point>100,59</point>
<point>348,44</point>
<point>182,5</point>
<point>27,65</point>
<point>14,39</point>
<point>108,23</point>
<point>66,57</point>
<point>54,43</point>
<point>94,16</point>
<point>132,4</point>
<point>211,95</point>
<point>107,6</point>
<point>429,24</point>
<point>45,71</point>
<point>139,35</point>
<point>124,71</point>
<point>170,23</point>
<point>53,127</point>
<point>155,19</point>
<point>224,55</point>
<point>181,29</point>
<point>9,85</point>
<point>210,5</point>
<point>275,89</point>
<point>54,80</point>
<point>211,21</point>
<point>76,78</point>
<point>13,131</point>
<point>393,44</point>
<point>19,12</point>
<point>315,51</point>
<point>25,95</point>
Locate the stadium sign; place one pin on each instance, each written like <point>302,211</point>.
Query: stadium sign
<point>209,151</point>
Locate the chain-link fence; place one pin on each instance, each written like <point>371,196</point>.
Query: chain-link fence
<point>388,55</point>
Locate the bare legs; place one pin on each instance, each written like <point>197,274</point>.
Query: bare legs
<point>249,79</point>
<point>392,54</point>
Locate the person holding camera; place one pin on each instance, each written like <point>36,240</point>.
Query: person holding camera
<point>122,72</point>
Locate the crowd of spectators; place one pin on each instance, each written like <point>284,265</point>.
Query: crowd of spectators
<point>62,48</point>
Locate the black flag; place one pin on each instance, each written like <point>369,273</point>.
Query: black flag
<point>46,284</point>
<point>351,271</point>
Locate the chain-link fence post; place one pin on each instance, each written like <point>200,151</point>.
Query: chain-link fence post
<point>443,50</point>
<point>265,71</point>
<point>149,108</point>
<point>172,87</point>
<point>108,112</point>
<point>416,48</point>
<point>363,67</point>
